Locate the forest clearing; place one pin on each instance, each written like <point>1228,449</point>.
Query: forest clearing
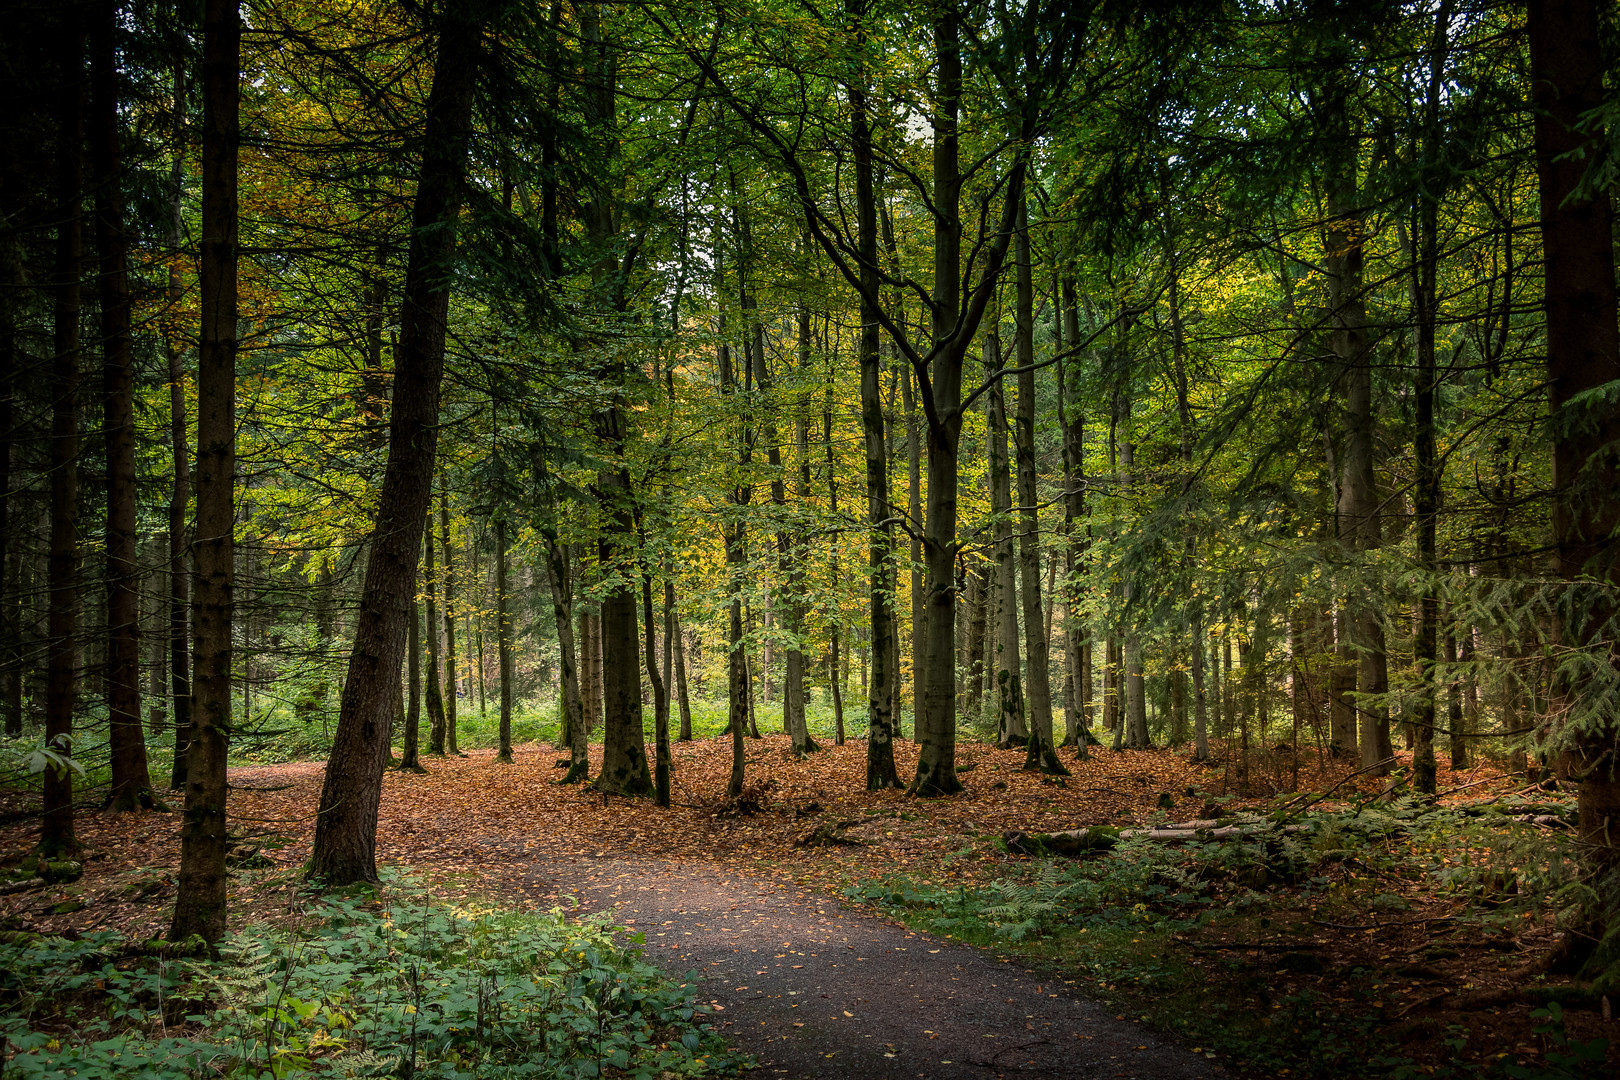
<point>1121,496</point>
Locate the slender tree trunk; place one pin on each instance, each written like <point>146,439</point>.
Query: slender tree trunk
<point>11,599</point>
<point>430,587</point>
<point>978,594</point>
<point>660,696</point>
<point>200,889</point>
<point>880,770</point>
<point>62,630</point>
<point>1358,510</point>
<point>681,694</point>
<point>344,849</point>
<point>410,736</point>
<point>503,641</point>
<point>590,661</point>
<point>451,687</point>
<point>131,783</point>
<point>1006,672</point>
<point>1042,753</point>
<point>559,572</point>
<point>835,675</point>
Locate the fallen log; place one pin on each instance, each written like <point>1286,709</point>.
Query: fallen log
<point>1073,842</point>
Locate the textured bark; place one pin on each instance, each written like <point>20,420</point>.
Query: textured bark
<point>200,888</point>
<point>131,783</point>
<point>1134,721</point>
<point>344,850</point>
<point>1077,642</point>
<point>1583,352</point>
<point>62,566</point>
<point>503,641</point>
<point>880,770</point>
<point>681,695</point>
<point>973,649</point>
<point>430,587</point>
<point>410,731</point>
<point>590,669</point>
<point>1006,674</point>
<point>1042,754</point>
<point>559,573</point>
<point>835,662</point>
<point>11,292</point>
<point>451,687</point>
<point>660,696</point>
<point>1358,512</point>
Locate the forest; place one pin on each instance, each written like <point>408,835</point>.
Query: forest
<point>1156,463</point>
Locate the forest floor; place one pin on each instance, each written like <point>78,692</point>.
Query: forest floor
<point>1359,965</point>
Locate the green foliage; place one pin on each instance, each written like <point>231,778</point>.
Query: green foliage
<point>1570,1060</point>
<point>410,986</point>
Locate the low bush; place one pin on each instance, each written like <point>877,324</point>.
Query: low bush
<point>406,986</point>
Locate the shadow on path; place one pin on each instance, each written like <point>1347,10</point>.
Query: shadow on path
<point>815,989</point>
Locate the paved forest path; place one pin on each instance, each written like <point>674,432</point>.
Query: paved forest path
<point>813,988</point>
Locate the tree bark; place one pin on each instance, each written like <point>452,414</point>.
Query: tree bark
<point>559,573</point>
<point>660,696</point>
<point>131,783</point>
<point>200,889</point>
<point>1358,514</point>
<point>410,735</point>
<point>1006,672</point>
<point>503,640</point>
<point>681,695</point>
<point>451,687</point>
<point>880,770</point>
<point>344,850</point>
<point>1042,754</point>
<point>1583,353</point>
<point>62,568</point>
<point>430,588</point>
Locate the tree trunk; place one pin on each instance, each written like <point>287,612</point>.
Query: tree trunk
<point>1358,512</point>
<point>681,694</point>
<point>1042,754</point>
<point>430,588</point>
<point>590,662</point>
<point>559,572</point>
<point>199,906</point>
<point>660,695</point>
<point>978,591</point>
<point>131,783</point>
<point>1583,354</point>
<point>835,663</point>
<point>410,736</point>
<point>1006,673</point>
<point>503,641</point>
<point>62,631</point>
<point>880,770</point>
<point>451,687</point>
<point>344,849</point>
<point>1072,421</point>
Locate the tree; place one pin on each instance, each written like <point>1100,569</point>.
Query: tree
<point>344,850</point>
<point>199,906</point>
<point>1583,355</point>
<point>56,827</point>
<point>131,784</point>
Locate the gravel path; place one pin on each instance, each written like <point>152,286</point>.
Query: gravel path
<point>814,989</point>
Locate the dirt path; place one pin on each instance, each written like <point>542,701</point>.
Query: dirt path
<point>815,989</point>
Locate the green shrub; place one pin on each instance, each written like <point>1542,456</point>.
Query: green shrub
<point>411,987</point>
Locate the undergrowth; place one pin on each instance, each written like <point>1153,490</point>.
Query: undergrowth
<point>1127,925</point>
<point>404,985</point>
